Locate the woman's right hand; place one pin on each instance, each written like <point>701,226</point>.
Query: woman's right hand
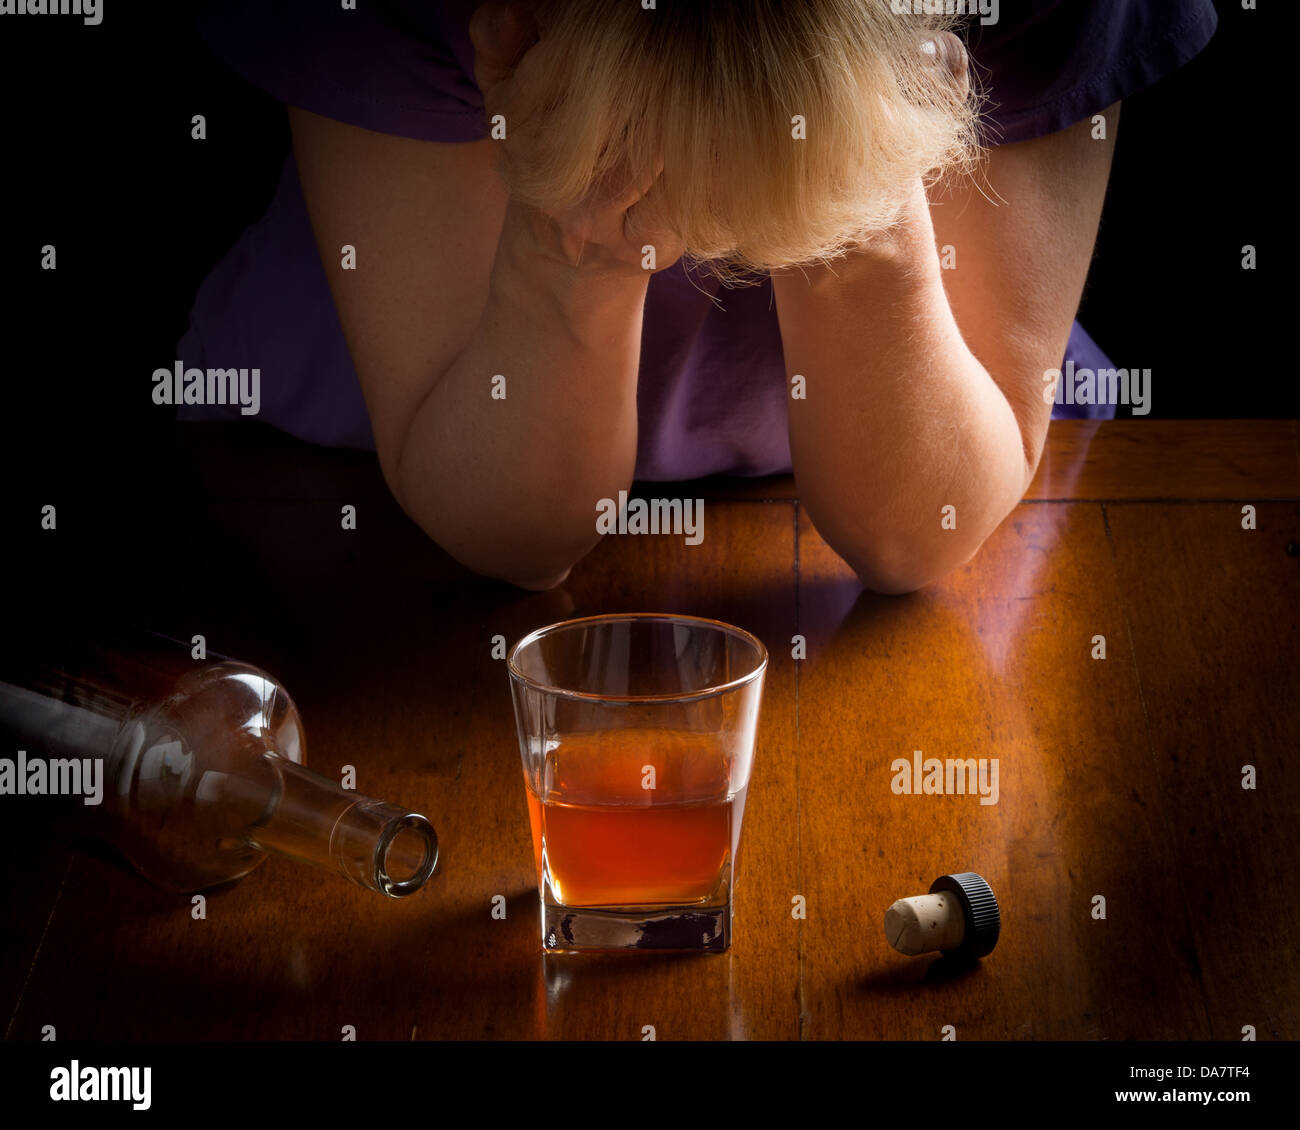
<point>602,231</point>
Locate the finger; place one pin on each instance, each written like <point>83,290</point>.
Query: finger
<point>650,180</point>
<point>948,53</point>
<point>501,32</point>
<point>635,192</point>
<point>668,247</point>
<point>638,189</point>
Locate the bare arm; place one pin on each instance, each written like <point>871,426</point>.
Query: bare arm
<point>453,286</point>
<point>925,387</point>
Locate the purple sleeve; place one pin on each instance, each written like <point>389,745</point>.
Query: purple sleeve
<point>1046,64</point>
<point>406,67</point>
<point>402,67</point>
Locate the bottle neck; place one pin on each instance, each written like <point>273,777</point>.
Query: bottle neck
<point>309,818</point>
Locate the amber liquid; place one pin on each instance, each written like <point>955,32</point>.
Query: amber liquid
<point>606,840</point>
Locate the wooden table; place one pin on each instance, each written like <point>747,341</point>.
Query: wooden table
<point>1118,777</point>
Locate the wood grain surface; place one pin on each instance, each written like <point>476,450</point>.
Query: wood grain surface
<point>1118,777</point>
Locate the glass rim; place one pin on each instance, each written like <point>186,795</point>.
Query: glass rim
<point>626,617</point>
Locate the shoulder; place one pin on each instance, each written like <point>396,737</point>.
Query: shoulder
<point>404,67</point>
<point>1042,65</point>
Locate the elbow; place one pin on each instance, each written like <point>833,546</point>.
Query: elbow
<point>495,538</point>
<point>887,583</point>
<point>892,556</point>
<point>889,576</point>
<point>528,555</point>
<point>537,578</point>
<point>895,566</point>
<point>526,560</point>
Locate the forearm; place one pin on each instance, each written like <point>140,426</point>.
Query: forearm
<point>899,420</point>
<point>508,483</point>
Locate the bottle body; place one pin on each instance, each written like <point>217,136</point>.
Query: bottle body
<point>190,778</point>
<point>201,768</point>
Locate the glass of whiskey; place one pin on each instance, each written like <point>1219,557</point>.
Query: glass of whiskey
<point>637,733</point>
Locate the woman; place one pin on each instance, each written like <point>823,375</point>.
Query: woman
<point>526,330</point>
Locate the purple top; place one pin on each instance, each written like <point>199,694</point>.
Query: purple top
<point>712,392</point>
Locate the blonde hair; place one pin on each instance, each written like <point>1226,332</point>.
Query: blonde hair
<point>711,88</point>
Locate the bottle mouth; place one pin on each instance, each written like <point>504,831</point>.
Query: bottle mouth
<point>406,854</point>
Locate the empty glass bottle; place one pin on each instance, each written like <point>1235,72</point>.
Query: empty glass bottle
<point>201,766</point>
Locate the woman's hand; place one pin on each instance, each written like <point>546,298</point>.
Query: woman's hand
<point>948,53</point>
<point>602,231</point>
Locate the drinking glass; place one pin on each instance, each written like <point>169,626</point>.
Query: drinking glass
<point>637,733</point>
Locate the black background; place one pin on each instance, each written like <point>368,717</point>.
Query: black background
<point>975,1081</point>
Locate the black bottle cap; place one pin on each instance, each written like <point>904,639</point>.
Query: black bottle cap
<point>983,919</point>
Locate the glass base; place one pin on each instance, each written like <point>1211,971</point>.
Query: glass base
<point>703,929</point>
